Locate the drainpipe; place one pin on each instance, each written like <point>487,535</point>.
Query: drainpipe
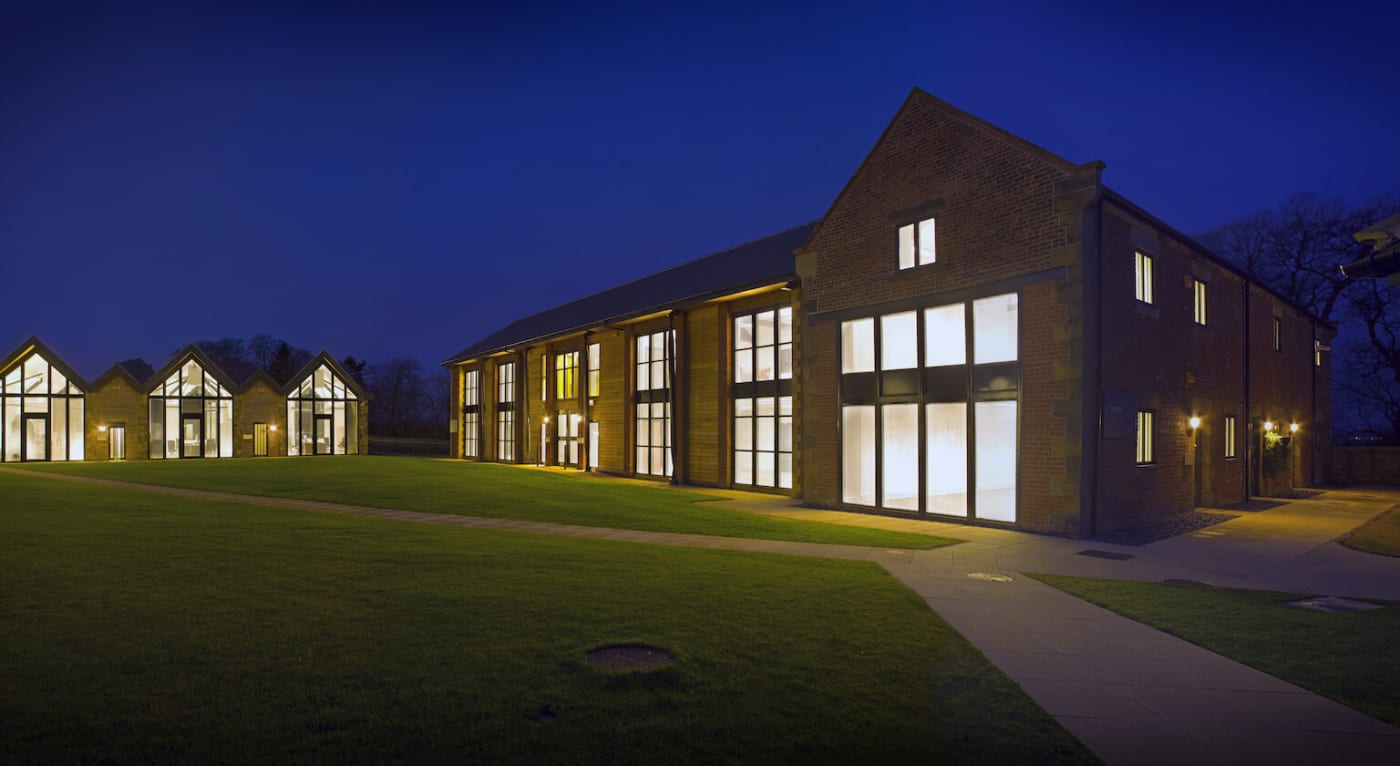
<point>1248,413</point>
<point>1098,373</point>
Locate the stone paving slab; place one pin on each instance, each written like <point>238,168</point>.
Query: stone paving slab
<point>1132,694</point>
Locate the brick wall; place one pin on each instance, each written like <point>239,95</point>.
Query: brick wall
<point>259,403</point>
<point>1366,465</point>
<point>116,400</point>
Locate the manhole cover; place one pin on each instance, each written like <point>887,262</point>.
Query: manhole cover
<point>1333,604</point>
<point>988,577</point>
<point>1110,555</point>
<point>631,657</point>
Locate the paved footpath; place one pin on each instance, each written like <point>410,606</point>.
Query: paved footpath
<point>1132,694</point>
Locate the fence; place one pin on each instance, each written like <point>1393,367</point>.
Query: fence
<point>388,445</point>
<point>1366,465</point>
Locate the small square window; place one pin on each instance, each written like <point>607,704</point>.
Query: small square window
<point>917,244</point>
<point>1200,291</point>
<point>1143,289</point>
<point>1144,437</point>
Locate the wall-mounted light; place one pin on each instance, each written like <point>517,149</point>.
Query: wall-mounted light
<point>546,418</point>
<point>102,429</point>
<point>272,427</point>
<point>1195,421</point>
<point>1268,425</point>
<point>1293,428</point>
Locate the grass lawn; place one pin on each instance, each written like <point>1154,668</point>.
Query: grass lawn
<point>483,489</point>
<point>1379,535</point>
<point>142,628</point>
<point>1349,657</point>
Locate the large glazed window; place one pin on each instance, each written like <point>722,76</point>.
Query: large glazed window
<point>762,398</point>
<point>43,412</point>
<point>323,416</point>
<point>471,413</point>
<point>505,411</point>
<point>191,415</point>
<point>566,375</point>
<point>929,409</point>
<point>652,403</point>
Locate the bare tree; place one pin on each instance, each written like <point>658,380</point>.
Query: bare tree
<point>397,386</point>
<point>1296,248</point>
<point>1369,384</point>
<point>437,402</point>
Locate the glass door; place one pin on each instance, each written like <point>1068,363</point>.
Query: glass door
<point>323,434</point>
<point>116,443</point>
<point>36,437</point>
<point>593,445</point>
<point>192,435</point>
<point>568,438</point>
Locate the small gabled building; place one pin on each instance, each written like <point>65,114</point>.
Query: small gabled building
<point>190,412</point>
<point>118,415</point>
<point>327,412</point>
<point>260,417</point>
<point>43,404</point>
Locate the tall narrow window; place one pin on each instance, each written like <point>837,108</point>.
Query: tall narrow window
<point>544,377</point>
<point>1278,334</point>
<point>471,414</point>
<point>595,372</point>
<point>566,375</point>
<point>1317,353</point>
<point>652,402</point>
<point>1200,302</point>
<point>917,244</point>
<point>1144,437</point>
<point>762,396</point>
<point>1229,436</point>
<point>1143,289</point>
<point>505,411</point>
<point>191,415</point>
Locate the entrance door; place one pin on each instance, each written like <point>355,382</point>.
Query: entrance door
<point>323,434</point>
<point>36,437</point>
<point>568,438</point>
<point>192,435</point>
<point>259,440</point>
<point>116,443</point>
<point>592,445</point>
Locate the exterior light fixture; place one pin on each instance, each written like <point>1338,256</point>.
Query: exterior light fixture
<point>102,429</point>
<point>1293,428</point>
<point>546,418</point>
<point>1195,421</point>
<point>272,427</point>
<point>1268,425</point>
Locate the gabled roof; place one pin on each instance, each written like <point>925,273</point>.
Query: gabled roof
<point>122,371</point>
<point>259,375</point>
<point>761,262</point>
<point>329,361</point>
<point>179,359</point>
<point>34,344</point>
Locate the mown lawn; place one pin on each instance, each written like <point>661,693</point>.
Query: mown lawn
<point>1348,657</point>
<point>480,489</point>
<point>139,628</point>
<point>1379,535</point>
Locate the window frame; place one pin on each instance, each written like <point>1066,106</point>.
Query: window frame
<point>595,373</point>
<point>915,242</point>
<point>1231,426</point>
<point>1146,438</point>
<point>1143,277</point>
<point>776,389</point>
<point>566,375</point>
<point>1199,302</point>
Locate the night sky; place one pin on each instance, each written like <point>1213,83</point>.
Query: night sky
<point>400,179</point>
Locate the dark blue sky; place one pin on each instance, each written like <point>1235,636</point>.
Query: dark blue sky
<point>384,179</point>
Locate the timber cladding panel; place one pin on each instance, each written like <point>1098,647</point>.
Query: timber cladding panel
<point>116,401</point>
<point>703,347</point>
<point>612,407</point>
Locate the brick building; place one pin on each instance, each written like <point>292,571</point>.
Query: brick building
<point>976,329</point>
<point>189,408</point>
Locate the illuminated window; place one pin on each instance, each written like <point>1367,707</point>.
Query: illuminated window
<point>566,375</point>
<point>917,244</point>
<point>43,412</point>
<point>653,403</point>
<point>505,411</point>
<point>1144,277</point>
<point>762,398</point>
<point>323,416</point>
<point>941,439</point>
<point>595,372</point>
<point>1317,353</point>
<point>471,413</point>
<point>1144,437</point>
<point>1229,436</point>
<point>191,415</point>
<point>544,377</point>
<point>1200,301</point>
